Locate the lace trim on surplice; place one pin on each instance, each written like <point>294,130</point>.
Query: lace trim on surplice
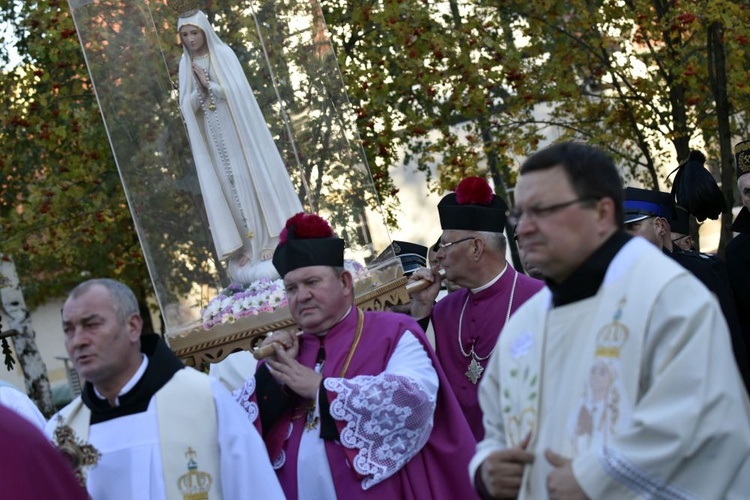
<point>388,420</point>
<point>243,395</point>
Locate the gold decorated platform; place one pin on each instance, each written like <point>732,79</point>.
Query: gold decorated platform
<point>198,347</point>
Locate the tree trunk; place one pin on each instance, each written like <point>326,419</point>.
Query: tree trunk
<point>31,363</point>
<point>717,74</point>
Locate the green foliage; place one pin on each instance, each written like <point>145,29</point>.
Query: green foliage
<point>473,86</point>
<point>63,210</point>
<point>463,84</point>
<point>8,359</point>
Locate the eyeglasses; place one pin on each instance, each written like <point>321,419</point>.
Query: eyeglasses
<point>515,215</point>
<point>635,225</point>
<point>680,238</point>
<point>446,246</point>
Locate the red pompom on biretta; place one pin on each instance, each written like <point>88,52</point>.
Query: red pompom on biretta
<point>474,191</point>
<point>472,207</point>
<point>305,226</point>
<point>307,240</point>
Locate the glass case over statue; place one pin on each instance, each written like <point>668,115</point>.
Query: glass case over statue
<point>226,118</point>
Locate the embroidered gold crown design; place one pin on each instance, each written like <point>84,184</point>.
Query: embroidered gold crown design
<point>195,484</point>
<point>612,336</point>
<point>184,8</point>
<point>81,455</point>
<point>742,155</point>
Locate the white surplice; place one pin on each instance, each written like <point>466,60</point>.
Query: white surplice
<point>637,385</point>
<point>131,463</point>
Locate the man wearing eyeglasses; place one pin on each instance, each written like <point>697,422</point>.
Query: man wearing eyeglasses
<point>467,322</point>
<point>617,380</point>
<point>679,226</point>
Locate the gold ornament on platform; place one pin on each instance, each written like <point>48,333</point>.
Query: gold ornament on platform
<point>184,8</point>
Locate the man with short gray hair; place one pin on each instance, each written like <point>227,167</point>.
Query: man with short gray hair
<point>467,322</point>
<point>356,406</point>
<point>163,430</point>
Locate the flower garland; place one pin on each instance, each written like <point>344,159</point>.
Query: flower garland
<point>262,296</point>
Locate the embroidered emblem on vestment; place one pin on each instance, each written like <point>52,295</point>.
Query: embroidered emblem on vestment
<point>196,484</point>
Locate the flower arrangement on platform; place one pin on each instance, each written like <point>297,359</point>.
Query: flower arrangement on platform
<point>262,296</point>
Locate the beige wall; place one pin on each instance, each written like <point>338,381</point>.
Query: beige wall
<point>45,321</point>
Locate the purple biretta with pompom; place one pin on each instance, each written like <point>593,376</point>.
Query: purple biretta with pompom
<point>384,422</point>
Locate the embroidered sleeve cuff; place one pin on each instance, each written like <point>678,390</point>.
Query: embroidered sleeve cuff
<point>594,481</point>
<point>383,422</point>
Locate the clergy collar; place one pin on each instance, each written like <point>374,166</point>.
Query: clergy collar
<point>162,365</point>
<point>130,383</point>
<point>491,282</point>
<point>586,280</point>
<point>323,334</point>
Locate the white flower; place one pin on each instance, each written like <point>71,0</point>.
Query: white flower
<point>263,295</point>
<point>212,309</point>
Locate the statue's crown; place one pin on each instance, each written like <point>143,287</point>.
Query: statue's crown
<point>184,8</point>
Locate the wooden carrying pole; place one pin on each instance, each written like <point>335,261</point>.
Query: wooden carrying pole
<point>411,288</point>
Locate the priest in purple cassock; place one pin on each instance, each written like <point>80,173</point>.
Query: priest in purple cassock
<point>468,322</point>
<point>356,406</point>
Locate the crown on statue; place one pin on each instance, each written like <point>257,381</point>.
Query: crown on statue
<point>195,484</point>
<point>184,8</point>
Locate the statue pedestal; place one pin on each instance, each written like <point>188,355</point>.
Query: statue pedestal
<point>198,347</point>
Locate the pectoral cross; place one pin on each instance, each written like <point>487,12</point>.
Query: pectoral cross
<point>474,371</point>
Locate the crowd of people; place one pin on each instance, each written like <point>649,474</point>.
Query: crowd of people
<point>621,373</point>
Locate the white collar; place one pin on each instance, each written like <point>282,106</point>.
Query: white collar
<point>492,281</point>
<point>339,321</point>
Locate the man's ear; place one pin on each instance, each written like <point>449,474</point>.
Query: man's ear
<point>135,325</point>
<point>347,281</point>
<point>605,208</point>
<point>661,226</point>
<point>477,247</point>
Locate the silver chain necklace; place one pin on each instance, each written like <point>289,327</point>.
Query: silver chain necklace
<point>474,369</point>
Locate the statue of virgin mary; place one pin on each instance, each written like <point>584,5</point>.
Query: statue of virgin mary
<point>245,185</point>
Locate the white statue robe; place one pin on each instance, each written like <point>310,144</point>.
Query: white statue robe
<point>245,185</point>
<point>637,385</point>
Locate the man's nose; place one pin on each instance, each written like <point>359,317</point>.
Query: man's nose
<point>304,293</point>
<point>78,337</point>
<point>524,225</point>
